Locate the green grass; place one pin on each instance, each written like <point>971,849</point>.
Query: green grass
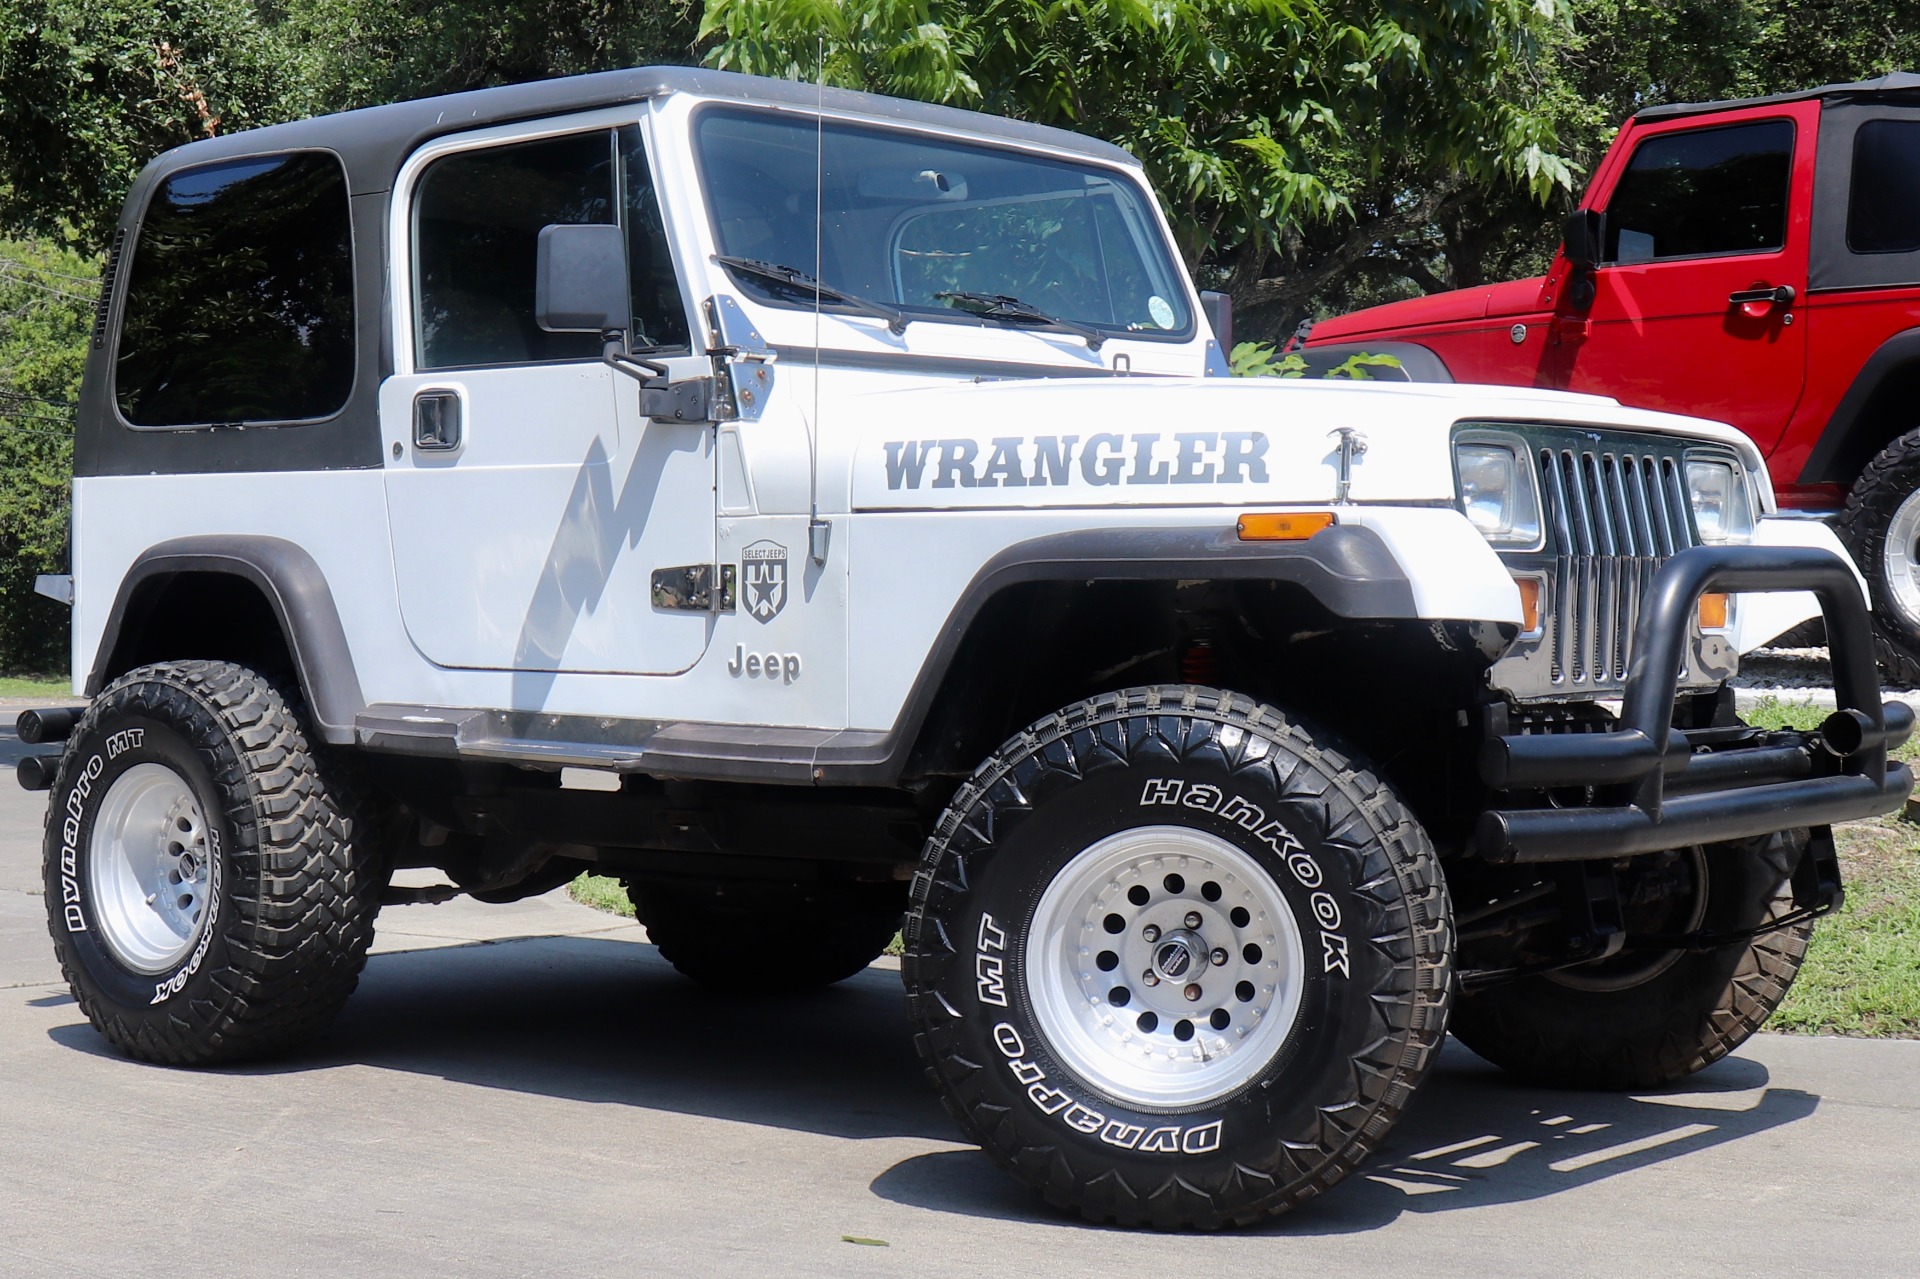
<point>27,685</point>
<point>1862,972</point>
<point>601,893</point>
<point>1771,712</point>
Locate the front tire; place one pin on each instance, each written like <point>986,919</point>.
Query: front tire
<point>1647,1018</point>
<point>1176,960</point>
<point>210,886</point>
<point>1881,529</point>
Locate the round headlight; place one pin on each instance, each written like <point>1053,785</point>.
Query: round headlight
<point>1497,493</point>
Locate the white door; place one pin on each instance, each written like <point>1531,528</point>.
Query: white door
<point>529,502</point>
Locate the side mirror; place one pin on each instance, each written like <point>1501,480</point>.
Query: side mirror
<point>580,280</point>
<point>1580,244</point>
<point>1219,309</point>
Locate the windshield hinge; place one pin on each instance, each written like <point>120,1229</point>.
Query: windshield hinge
<point>742,362</point>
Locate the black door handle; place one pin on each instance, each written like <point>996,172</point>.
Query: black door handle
<point>1782,296</point>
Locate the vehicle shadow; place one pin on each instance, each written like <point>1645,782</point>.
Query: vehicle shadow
<point>607,1021</point>
<point>1474,1138</point>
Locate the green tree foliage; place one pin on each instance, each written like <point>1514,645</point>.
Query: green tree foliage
<point>46,313</point>
<point>1253,119</point>
<point>90,90</point>
<point>354,53</point>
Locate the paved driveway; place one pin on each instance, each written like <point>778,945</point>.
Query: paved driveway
<point>529,1090</point>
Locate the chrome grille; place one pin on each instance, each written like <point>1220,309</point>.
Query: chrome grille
<point>1616,514</point>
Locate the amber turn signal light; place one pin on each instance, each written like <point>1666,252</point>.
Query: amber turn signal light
<point>1713,612</point>
<point>1282,526</point>
<point>1530,592</point>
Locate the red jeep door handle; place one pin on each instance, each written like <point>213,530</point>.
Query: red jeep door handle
<point>1782,296</point>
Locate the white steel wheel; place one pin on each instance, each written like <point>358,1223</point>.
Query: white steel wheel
<point>1164,965</point>
<point>152,876</point>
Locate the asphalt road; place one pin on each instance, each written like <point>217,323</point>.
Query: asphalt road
<point>529,1090</point>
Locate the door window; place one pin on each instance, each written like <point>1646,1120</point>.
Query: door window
<point>1703,193</point>
<point>477,221</point>
<point>1883,208</point>
<point>240,298</point>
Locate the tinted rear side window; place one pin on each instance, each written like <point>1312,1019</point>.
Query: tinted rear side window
<point>1883,208</point>
<point>240,297</point>
<point>1703,193</point>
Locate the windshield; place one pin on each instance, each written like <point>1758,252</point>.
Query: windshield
<point>909,217</point>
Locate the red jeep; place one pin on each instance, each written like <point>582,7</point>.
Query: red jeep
<point>1756,262</point>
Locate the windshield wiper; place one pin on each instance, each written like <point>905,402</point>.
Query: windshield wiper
<point>800,282</point>
<point>999,306</point>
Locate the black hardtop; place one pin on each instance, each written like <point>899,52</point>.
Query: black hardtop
<point>374,142</point>
<point>1895,84</point>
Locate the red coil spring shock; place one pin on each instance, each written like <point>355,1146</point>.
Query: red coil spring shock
<point>1199,662</point>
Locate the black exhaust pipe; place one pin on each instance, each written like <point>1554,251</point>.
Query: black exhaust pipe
<point>52,725</point>
<point>36,771</point>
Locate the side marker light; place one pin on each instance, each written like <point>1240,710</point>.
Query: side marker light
<point>1282,526</point>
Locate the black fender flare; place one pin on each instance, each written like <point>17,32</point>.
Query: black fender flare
<point>294,588</point>
<point>1832,461</point>
<point>1349,569</point>
<point>1417,363</point>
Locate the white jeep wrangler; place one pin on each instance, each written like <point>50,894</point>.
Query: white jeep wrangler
<point>811,507</point>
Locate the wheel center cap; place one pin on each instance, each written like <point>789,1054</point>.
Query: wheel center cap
<point>1179,954</point>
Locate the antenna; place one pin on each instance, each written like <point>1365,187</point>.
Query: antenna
<point>818,530</point>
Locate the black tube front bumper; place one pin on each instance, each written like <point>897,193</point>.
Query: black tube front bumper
<point>1664,788</point>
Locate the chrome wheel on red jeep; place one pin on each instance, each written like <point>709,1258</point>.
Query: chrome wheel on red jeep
<point>1881,526</point>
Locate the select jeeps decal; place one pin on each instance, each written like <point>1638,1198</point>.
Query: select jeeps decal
<point>1169,1139</point>
<point>1251,817</point>
<point>1055,461</point>
<point>763,579</point>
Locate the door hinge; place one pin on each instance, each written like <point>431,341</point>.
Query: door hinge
<point>698,588</point>
<point>688,400</point>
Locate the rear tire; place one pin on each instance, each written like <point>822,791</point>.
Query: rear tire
<point>210,883</point>
<point>1175,960</point>
<point>751,939</point>
<point>1597,1026</point>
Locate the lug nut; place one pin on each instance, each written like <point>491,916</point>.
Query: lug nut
<point>1193,919</point>
<point>1193,992</point>
<point>1219,956</point>
<point>1150,977</point>
<point>1151,933</point>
